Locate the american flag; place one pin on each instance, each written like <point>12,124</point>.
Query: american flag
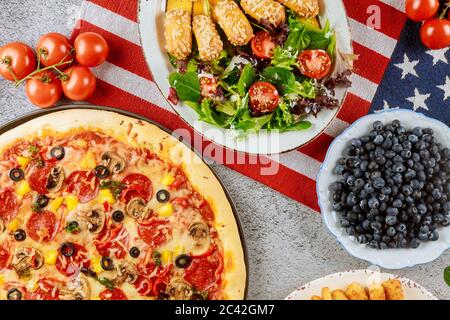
<point>393,71</point>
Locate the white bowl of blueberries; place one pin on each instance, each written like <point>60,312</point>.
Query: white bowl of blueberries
<point>384,189</point>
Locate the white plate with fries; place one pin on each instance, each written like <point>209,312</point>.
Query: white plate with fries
<point>361,285</point>
<point>151,28</point>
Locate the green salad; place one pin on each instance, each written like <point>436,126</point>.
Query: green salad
<point>272,83</point>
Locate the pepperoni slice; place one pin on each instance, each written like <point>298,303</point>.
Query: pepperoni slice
<point>154,232</point>
<point>84,184</point>
<point>70,265</point>
<point>201,273</point>
<point>42,226</point>
<point>48,289</point>
<point>136,185</point>
<point>113,294</point>
<point>114,242</point>
<point>4,257</point>
<point>37,176</point>
<point>9,205</point>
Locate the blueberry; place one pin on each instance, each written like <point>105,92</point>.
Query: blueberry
<point>378,183</point>
<point>400,227</point>
<point>422,208</point>
<point>410,174</point>
<point>373,203</point>
<point>362,239</point>
<point>405,154</point>
<point>391,220</point>
<point>397,178</point>
<point>413,138</point>
<point>403,243</point>
<point>351,231</point>
<point>407,190</point>
<point>373,244</point>
<point>392,211</point>
<point>395,124</point>
<point>378,125</point>
<point>385,238</point>
<point>398,167</point>
<point>397,147</point>
<point>436,193</point>
<point>391,231</point>
<point>401,130</point>
<point>417,131</point>
<point>383,245</point>
<point>445,222</point>
<point>366,224</point>
<point>424,228</point>
<point>379,139</point>
<point>433,236</point>
<point>345,223</point>
<point>397,203</point>
<point>375,225</point>
<point>422,236</point>
<point>415,243</point>
<point>389,154</point>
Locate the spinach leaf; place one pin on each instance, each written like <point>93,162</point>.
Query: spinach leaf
<point>447,275</point>
<point>208,114</point>
<point>187,85</point>
<point>318,40</point>
<point>278,76</point>
<point>246,79</point>
<point>301,125</point>
<point>253,124</point>
<point>283,58</point>
<point>229,108</point>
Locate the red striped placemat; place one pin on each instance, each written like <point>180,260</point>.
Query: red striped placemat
<point>125,82</point>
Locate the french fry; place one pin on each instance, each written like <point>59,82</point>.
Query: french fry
<point>326,294</point>
<point>356,292</point>
<point>185,5</point>
<point>376,292</point>
<point>338,295</point>
<point>393,289</point>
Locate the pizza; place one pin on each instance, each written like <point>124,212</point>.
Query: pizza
<point>97,205</point>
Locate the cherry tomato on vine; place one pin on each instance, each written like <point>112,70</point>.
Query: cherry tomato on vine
<point>79,83</point>
<point>53,48</point>
<point>264,97</point>
<point>17,60</point>
<point>419,10</point>
<point>263,45</point>
<point>315,64</point>
<point>43,89</point>
<point>91,49</point>
<point>435,33</point>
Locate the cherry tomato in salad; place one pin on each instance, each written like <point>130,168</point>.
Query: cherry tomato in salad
<point>80,83</point>
<point>264,97</point>
<point>43,89</point>
<point>435,33</point>
<point>91,49</point>
<point>53,48</point>
<point>419,10</point>
<point>263,45</point>
<point>16,61</point>
<point>314,64</point>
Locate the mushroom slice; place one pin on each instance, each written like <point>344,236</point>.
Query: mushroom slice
<point>178,289</point>
<point>199,232</point>
<point>126,272</point>
<point>2,225</point>
<point>95,220</point>
<point>55,179</point>
<point>76,289</point>
<point>113,162</point>
<point>25,260</point>
<point>137,208</point>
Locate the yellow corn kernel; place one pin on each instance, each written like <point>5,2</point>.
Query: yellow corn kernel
<point>105,195</point>
<point>23,188</point>
<point>179,4</point>
<point>165,211</point>
<point>23,161</point>
<point>88,161</point>
<point>55,204</point>
<point>2,280</point>
<point>168,180</point>
<point>178,250</point>
<point>13,225</point>
<point>166,257</point>
<point>71,202</point>
<point>96,266</point>
<point>50,257</point>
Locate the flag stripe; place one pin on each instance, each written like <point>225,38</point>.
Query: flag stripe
<point>111,21</point>
<point>362,87</point>
<point>315,150</point>
<point>397,4</point>
<point>127,9</point>
<point>389,21</point>
<point>353,108</point>
<point>336,127</point>
<point>368,57</point>
<point>117,55</point>
<point>371,38</point>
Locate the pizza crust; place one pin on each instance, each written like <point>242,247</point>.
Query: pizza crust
<point>138,133</point>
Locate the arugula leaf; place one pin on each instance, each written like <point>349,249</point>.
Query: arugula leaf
<point>304,89</point>
<point>157,258</point>
<point>108,283</point>
<point>187,86</point>
<point>283,58</point>
<point>246,79</point>
<point>301,125</point>
<point>253,124</point>
<point>192,66</point>
<point>207,113</point>
<point>229,108</point>
<point>447,275</point>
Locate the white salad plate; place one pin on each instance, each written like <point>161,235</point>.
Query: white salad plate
<point>340,280</point>
<point>388,258</point>
<point>151,28</point>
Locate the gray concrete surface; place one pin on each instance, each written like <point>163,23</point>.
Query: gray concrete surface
<point>287,242</point>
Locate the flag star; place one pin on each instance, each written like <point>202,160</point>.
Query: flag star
<point>407,67</point>
<point>446,88</point>
<point>438,55</point>
<point>386,107</point>
<point>418,100</point>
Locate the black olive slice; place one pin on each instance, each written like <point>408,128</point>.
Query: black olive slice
<point>101,172</point>
<point>135,252</point>
<point>14,294</point>
<point>197,296</point>
<point>57,153</point>
<point>20,235</point>
<point>88,272</point>
<point>67,249</point>
<point>107,263</point>
<point>42,201</point>
<point>183,261</point>
<point>16,174</point>
<point>163,196</point>
<point>118,216</point>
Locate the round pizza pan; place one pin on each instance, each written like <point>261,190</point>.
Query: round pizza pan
<point>41,112</point>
